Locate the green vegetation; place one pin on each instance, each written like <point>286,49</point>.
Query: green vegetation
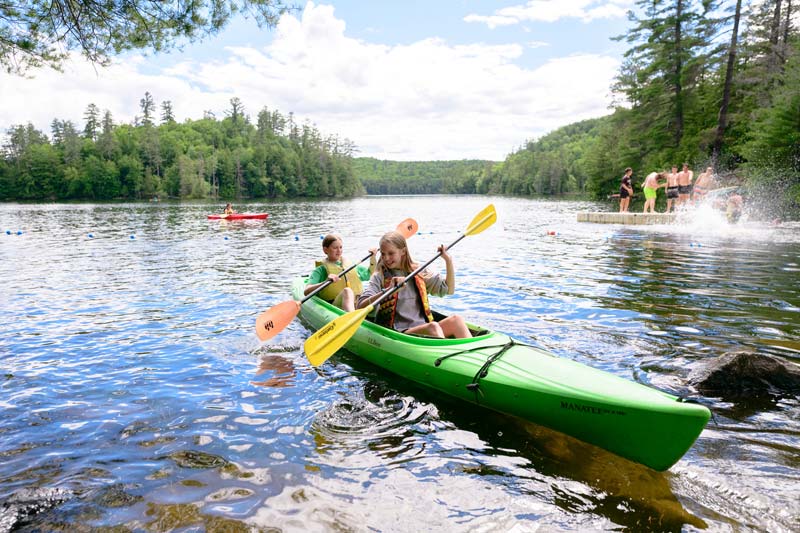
<point>35,33</point>
<point>703,81</point>
<point>208,158</point>
<point>553,165</point>
<point>419,177</point>
<point>692,89</point>
<point>700,91</point>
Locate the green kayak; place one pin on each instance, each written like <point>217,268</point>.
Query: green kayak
<point>492,370</point>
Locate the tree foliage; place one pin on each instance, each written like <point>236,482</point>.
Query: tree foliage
<point>678,101</point>
<point>419,177</point>
<point>693,87</point>
<point>671,89</point>
<point>739,107</point>
<point>207,158</point>
<point>34,33</point>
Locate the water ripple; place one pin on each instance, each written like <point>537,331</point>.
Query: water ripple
<point>132,384</point>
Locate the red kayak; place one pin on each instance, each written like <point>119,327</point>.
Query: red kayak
<point>239,216</point>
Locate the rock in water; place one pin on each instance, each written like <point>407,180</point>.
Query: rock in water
<point>744,375</point>
<point>28,502</point>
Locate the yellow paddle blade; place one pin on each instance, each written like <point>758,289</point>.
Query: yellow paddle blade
<point>408,227</point>
<point>482,220</point>
<point>333,335</point>
<point>273,320</point>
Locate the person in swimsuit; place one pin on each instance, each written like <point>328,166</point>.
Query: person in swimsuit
<point>734,207</point>
<point>685,185</point>
<point>651,187</point>
<point>625,191</point>
<point>703,184</point>
<point>672,190</point>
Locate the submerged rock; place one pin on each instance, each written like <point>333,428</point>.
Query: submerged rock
<point>745,375</point>
<point>28,502</point>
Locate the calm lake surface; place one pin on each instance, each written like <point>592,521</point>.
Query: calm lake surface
<point>136,396</point>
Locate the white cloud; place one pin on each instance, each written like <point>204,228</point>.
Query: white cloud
<point>553,10</point>
<point>424,100</point>
<point>493,21</point>
<point>537,44</point>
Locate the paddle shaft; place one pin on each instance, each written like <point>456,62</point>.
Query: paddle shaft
<point>414,273</point>
<point>335,334</point>
<point>329,281</point>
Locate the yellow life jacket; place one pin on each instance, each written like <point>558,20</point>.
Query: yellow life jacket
<point>385,316</point>
<point>350,279</point>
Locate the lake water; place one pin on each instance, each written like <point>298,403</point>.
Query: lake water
<point>135,394</point>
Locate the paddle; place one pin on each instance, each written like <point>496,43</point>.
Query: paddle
<point>324,343</point>
<point>273,320</point>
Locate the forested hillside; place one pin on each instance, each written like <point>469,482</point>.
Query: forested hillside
<point>552,165</point>
<point>703,82</point>
<point>708,83</point>
<point>419,177</point>
<point>156,156</point>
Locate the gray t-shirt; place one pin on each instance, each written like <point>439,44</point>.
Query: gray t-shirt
<point>409,312</point>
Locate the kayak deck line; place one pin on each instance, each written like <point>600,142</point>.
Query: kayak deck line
<point>483,371</point>
<point>494,371</point>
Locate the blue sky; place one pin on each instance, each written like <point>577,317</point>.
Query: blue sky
<point>411,80</point>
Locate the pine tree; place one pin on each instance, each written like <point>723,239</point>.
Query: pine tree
<point>167,116</point>
<point>147,106</point>
<point>106,144</point>
<point>92,118</point>
<point>672,41</point>
<point>237,111</point>
<point>722,121</point>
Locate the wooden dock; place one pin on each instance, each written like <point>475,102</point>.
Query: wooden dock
<point>626,218</point>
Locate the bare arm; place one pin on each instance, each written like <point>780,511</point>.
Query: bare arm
<point>372,291</point>
<point>451,271</point>
<point>333,278</point>
<point>372,263</point>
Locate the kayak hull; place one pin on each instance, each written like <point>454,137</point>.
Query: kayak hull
<point>240,216</point>
<point>492,370</point>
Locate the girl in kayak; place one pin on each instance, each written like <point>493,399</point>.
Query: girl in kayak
<point>407,310</point>
<point>228,209</point>
<point>342,292</point>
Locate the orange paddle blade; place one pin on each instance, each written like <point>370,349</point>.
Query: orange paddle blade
<point>408,227</point>
<point>273,320</point>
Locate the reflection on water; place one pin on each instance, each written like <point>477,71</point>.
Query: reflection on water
<point>275,371</point>
<point>134,388</point>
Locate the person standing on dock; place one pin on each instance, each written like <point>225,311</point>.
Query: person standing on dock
<point>625,191</point>
<point>651,186</point>
<point>704,183</point>
<point>685,185</point>
<point>672,190</point>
